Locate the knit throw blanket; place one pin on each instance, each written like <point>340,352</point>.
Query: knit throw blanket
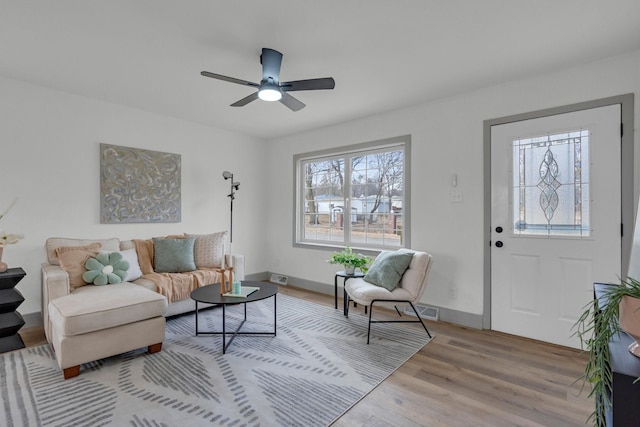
<point>174,286</point>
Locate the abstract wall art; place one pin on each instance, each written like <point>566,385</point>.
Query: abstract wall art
<point>138,186</point>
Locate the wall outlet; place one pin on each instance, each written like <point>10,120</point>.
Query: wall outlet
<point>455,196</point>
<point>279,279</point>
<point>453,294</point>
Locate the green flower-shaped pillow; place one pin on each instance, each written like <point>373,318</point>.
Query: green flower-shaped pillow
<point>105,269</point>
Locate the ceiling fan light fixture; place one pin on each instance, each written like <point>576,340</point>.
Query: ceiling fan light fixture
<point>269,94</point>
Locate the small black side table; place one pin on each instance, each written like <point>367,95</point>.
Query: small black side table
<point>346,276</point>
<point>10,320</point>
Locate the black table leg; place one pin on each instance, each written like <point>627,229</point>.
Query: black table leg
<point>224,337</point>
<point>196,318</point>
<point>345,305</point>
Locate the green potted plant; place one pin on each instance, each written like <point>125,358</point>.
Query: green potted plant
<point>350,260</point>
<point>595,328</point>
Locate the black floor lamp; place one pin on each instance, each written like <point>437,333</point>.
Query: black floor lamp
<point>232,195</point>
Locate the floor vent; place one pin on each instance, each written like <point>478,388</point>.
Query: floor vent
<point>426,312</point>
<point>279,279</point>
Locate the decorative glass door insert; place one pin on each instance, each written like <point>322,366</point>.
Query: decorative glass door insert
<point>551,185</point>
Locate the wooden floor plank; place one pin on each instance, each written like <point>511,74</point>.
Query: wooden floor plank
<point>463,377</point>
<point>501,367</point>
<point>514,396</point>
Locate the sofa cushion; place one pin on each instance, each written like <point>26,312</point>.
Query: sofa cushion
<point>134,272</point>
<point>147,283</point>
<point>72,259</point>
<point>53,243</point>
<point>208,250</point>
<point>173,255</point>
<point>93,308</point>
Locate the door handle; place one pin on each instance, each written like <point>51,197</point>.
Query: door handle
<point>499,244</point>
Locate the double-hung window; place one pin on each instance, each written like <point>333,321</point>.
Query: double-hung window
<point>354,195</point>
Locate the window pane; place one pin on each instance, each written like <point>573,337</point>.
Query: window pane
<point>551,185</point>
<point>377,195</point>
<point>324,201</point>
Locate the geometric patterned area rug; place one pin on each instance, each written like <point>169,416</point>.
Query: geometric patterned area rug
<point>314,370</point>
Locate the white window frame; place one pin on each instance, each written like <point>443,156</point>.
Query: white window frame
<point>398,143</point>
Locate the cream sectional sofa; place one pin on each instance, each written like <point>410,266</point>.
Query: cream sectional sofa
<point>57,281</point>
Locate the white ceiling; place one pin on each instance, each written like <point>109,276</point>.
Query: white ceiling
<point>383,54</point>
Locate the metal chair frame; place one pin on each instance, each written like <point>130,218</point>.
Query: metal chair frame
<point>419,320</point>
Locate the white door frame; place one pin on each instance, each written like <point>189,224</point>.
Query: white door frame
<point>626,171</point>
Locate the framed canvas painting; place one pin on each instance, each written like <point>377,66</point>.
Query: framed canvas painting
<point>139,186</point>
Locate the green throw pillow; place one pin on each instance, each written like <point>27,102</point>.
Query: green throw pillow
<point>173,255</point>
<point>105,268</point>
<point>388,268</point>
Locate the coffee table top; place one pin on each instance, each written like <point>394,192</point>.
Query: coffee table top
<point>210,294</point>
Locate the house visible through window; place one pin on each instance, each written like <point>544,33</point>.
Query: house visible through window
<point>354,196</point>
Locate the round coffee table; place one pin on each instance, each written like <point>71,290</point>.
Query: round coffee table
<point>210,294</point>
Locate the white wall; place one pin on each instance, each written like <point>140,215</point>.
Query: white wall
<point>446,139</point>
<point>49,158</point>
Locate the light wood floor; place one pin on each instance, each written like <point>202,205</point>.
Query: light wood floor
<point>465,377</point>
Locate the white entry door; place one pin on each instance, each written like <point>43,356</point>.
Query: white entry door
<point>555,220</point>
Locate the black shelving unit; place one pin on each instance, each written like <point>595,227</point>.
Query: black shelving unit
<point>625,393</point>
<point>10,320</point>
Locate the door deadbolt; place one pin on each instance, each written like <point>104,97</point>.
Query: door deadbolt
<point>498,229</point>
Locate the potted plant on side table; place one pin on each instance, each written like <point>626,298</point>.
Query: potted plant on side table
<point>350,260</point>
<point>596,327</point>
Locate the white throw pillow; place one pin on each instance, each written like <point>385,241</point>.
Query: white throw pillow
<point>208,250</point>
<point>131,256</point>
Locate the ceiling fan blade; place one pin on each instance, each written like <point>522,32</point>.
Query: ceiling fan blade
<point>291,102</point>
<point>229,79</point>
<point>310,84</point>
<point>244,101</point>
<point>271,61</point>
